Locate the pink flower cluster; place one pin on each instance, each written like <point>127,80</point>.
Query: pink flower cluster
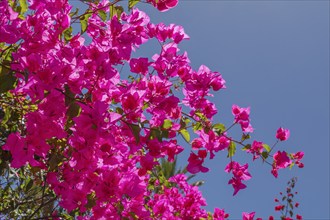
<point>240,173</point>
<point>283,160</point>
<point>282,134</point>
<point>242,117</point>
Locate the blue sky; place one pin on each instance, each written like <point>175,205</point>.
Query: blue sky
<point>274,56</point>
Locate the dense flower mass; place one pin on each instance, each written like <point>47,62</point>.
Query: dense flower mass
<point>98,132</point>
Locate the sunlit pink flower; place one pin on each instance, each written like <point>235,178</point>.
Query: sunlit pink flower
<point>164,5</point>
<point>219,214</point>
<point>256,149</point>
<point>297,157</point>
<point>195,164</point>
<point>281,159</point>
<point>139,65</point>
<point>237,184</point>
<point>242,117</point>
<point>282,134</point>
<point>248,216</point>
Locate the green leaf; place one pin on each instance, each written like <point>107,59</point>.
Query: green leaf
<point>201,115</point>
<point>231,149</point>
<point>155,133</point>
<point>264,155</point>
<point>184,122</point>
<point>7,80</point>
<point>291,165</point>
<point>187,120</point>
<point>73,110</point>
<point>246,147</point>
<point>133,215</point>
<point>84,22</point>
<point>91,200</point>
<point>245,137</point>
<point>74,13</point>
<point>145,106</point>
<point>24,6</point>
<point>29,184</point>
<point>69,96</point>
<point>164,134</point>
<point>185,134</point>
<point>167,124</point>
<point>131,3</point>
<point>197,126</point>
<point>219,127</point>
<point>136,132</point>
<point>267,148</point>
<point>291,206</point>
<point>119,110</point>
<point>54,161</point>
<point>6,116</point>
<point>68,34</point>
<point>103,15</point>
<point>115,11</point>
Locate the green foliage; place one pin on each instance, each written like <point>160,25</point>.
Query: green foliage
<point>219,128</point>
<point>84,21</point>
<point>132,3</point>
<point>116,10</point>
<point>231,149</point>
<point>21,194</point>
<point>103,15</point>
<point>136,132</point>
<point>185,134</point>
<point>67,34</point>
<point>23,6</point>
<point>167,124</point>
<point>266,147</point>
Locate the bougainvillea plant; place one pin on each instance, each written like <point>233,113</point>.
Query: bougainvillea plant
<point>82,136</point>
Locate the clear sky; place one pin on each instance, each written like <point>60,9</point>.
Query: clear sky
<point>274,56</point>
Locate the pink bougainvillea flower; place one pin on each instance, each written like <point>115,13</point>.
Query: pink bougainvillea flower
<point>248,216</point>
<point>274,171</point>
<point>237,184</point>
<point>164,5</point>
<point>242,117</point>
<point>297,157</point>
<point>239,171</point>
<point>139,65</point>
<point>196,163</point>
<point>281,159</point>
<point>20,150</point>
<point>282,134</point>
<point>219,214</point>
<point>256,149</point>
